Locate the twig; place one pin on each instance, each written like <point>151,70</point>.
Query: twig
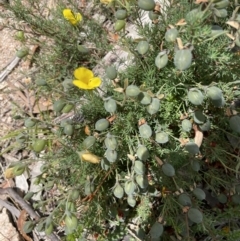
<point>9,68</point>
<point>24,206</point>
<point>14,211</point>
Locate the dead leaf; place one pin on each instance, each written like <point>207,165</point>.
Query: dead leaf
<point>181,22</point>
<point>159,161</point>
<point>233,24</point>
<point>20,223</point>
<point>131,157</point>
<point>185,209</point>
<point>201,1</point>
<point>180,44</point>
<point>198,135</point>
<point>87,130</point>
<point>9,173</point>
<point>120,90</point>
<point>183,141</point>
<point>184,116</point>
<point>111,118</point>
<point>113,37</point>
<point>141,121</point>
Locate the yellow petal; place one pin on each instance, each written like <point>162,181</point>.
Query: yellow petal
<point>94,82</point>
<point>9,173</point>
<point>68,14</point>
<point>89,157</point>
<point>72,17</point>
<point>83,74</point>
<point>80,84</point>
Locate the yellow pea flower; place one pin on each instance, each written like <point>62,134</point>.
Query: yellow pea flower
<point>106,1</point>
<point>73,18</point>
<point>89,157</point>
<point>85,79</point>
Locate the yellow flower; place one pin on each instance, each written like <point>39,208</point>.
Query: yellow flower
<point>85,79</point>
<point>73,18</point>
<point>106,1</point>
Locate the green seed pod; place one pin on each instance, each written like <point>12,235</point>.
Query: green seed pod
<point>102,125</point>
<point>132,91</point>
<point>67,108</point>
<point>111,72</point>
<point>222,198</point>
<point>68,129</point>
<point>195,96</point>
<point>221,4</point>
<point>143,47</point>
<point>18,169</point>
<point>214,93</point>
<point>139,167</point>
<point>234,123</point>
<point>21,53</point>
<point>111,142</point>
<point>236,198</point>
<point>28,196</point>
<point>48,228</point>
<point>195,165</point>
<point>221,13</point>
<point>105,164</point>
<point>142,153</point>
<point>20,36</point>
<point>145,131</point>
<point>39,145</point>
<point>89,142</point>
<point>147,5</point>
<point>199,193</point>
<point>111,155</point>
<point>161,60</point>
<point>58,105</point>
<point>71,207</point>
<point>184,200</point>
<point>199,117</point>
<point>153,108</point>
<point>110,105</point>
<point>82,49</point>
<point>131,201</point>
<point>237,188</point>
<point>29,122</point>
<point>168,170</point>
<point>121,14</point>
<point>195,215</point>
<point>183,59</point>
<point>206,126</point>
<point>186,125</point>
<point>152,15</point>
<point>74,194</point>
<point>118,191</point>
<point>156,231</point>
<point>40,82</point>
<point>194,16</point>
<point>28,226</point>
<point>192,148</point>
<point>88,187</point>
<point>144,98</point>
<point>161,137</point>
<point>119,25</point>
<point>216,30</point>
<point>67,84</point>
<point>71,221</point>
<point>129,187</point>
<point>219,103</point>
<point>171,35</point>
<point>142,181</point>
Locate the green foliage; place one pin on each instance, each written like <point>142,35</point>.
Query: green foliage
<point>158,187</point>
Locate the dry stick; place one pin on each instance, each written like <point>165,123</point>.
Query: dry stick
<point>25,206</point>
<point>10,67</point>
<point>198,135</point>
<point>14,211</point>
